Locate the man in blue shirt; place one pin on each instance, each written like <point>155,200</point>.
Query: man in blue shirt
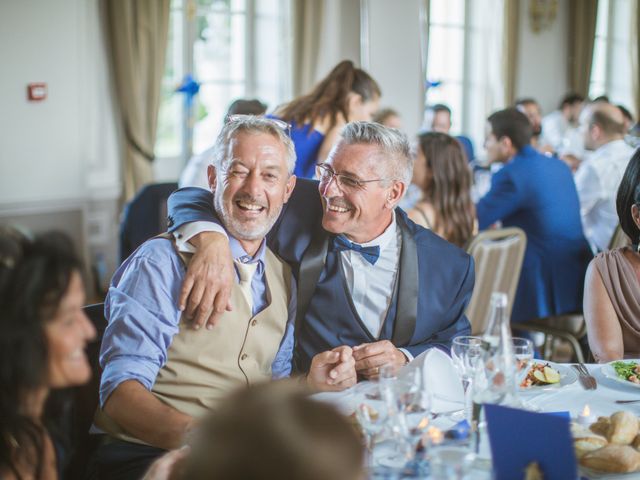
<point>160,375</point>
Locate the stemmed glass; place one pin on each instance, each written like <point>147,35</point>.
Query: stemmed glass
<point>523,353</point>
<point>468,353</point>
<point>372,413</point>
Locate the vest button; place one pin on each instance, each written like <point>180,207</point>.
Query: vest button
<point>254,323</point>
<point>244,356</point>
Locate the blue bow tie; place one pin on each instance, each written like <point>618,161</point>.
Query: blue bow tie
<point>370,254</point>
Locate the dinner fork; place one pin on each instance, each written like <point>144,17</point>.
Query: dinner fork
<point>587,380</point>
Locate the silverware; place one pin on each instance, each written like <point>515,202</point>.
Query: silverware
<point>587,380</point>
<point>446,414</point>
<point>627,401</point>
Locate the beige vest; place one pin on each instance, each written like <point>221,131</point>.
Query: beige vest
<point>204,365</point>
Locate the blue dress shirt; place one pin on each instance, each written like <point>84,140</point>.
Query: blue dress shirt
<point>142,310</point>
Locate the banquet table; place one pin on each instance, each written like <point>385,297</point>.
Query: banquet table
<point>571,398</point>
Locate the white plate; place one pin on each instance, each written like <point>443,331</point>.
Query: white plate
<point>567,377</point>
<point>610,372</point>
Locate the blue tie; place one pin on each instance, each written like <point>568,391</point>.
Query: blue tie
<point>370,254</point>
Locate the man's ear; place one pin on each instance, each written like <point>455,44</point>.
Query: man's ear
<point>211,175</point>
<point>288,189</point>
<point>395,194</point>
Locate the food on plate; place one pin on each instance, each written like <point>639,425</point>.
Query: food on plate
<point>612,459</point>
<point>623,428</point>
<point>629,371</point>
<point>588,443</point>
<point>540,374</point>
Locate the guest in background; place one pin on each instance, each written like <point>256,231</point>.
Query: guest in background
<point>195,173</point>
<point>389,118</point>
<point>444,176</point>
<point>438,119</point>
<point>43,334</point>
<point>561,127</point>
<point>531,108</point>
<point>612,284</point>
<point>627,121</point>
<point>274,431</point>
<point>598,177</point>
<point>536,193</point>
<point>347,94</point>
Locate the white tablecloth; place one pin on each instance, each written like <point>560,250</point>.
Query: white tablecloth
<point>570,397</point>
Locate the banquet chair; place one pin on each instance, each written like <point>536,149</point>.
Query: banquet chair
<point>570,327</point>
<point>85,400</point>
<point>144,216</point>
<point>498,258</point>
<point>618,239</point>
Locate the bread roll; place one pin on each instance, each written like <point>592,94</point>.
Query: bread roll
<point>636,442</point>
<point>601,427</point>
<point>612,459</point>
<point>623,428</point>
<point>588,443</point>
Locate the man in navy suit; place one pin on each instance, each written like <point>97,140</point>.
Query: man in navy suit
<point>368,277</point>
<point>536,193</point>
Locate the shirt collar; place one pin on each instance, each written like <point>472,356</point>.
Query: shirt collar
<point>385,237</point>
<point>239,254</point>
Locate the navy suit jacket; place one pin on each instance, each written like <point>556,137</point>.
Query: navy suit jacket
<point>439,291</point>
<point>537,193</point>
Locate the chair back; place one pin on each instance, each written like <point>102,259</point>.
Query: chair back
<point>144,217</point>
<point>498,256</point>
<point>619,239</point>
<point>85,400</point>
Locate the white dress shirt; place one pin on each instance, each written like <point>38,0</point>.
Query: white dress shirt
<point>371,286</point>
<point>597,180</point>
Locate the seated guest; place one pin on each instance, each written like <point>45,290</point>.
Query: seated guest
<point>537,194</point>
<point>195,172</point>
<point>388,117</point>
<point>531,108</point>
<point>43,333</point>
<point>561,127</point>
<point>598,176</point>
<point>438,119</point>
<point>368,277</point>
<point>612,285</point>
<point>627,122</point>
<point>274,431</point>
<point>160,376</point>
<point>346,94</point>
<point>444,176</point>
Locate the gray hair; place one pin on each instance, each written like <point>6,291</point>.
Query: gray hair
<point>395,150</point>
<point>251,124</point>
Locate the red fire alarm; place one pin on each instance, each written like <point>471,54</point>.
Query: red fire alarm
<point>36,92</point>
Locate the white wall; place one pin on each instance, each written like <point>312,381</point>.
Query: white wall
<point>394,57</point>
<point>542,70</point>
<point>61,155</point>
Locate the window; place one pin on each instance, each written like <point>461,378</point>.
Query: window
<point>233,49</point>
<point>611,69</point>
<point>464,54</point>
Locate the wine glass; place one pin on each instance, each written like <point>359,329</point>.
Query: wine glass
<point>523,353</point>
<point>371,412</point>
<point>467,353</point>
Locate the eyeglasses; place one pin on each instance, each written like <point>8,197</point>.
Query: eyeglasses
<point>345,182</point>
<point>276,122</point>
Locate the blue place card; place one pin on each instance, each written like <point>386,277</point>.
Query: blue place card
<point>519,438</point>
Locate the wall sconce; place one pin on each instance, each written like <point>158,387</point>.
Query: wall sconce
<point>542,14</point>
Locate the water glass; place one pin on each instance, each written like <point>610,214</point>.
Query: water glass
<point>523,353</point>
<point>449,462</point>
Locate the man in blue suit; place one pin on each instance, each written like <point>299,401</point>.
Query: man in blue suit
<point>536,193</point>
<point>368,277</point>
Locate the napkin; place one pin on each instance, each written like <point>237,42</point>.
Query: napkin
<point>438,375</point>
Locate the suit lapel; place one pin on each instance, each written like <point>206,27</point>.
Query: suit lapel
<point>311,266</point>
<point>407,306</point>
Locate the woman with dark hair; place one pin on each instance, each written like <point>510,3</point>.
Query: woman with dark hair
<point>347,94</point>
<point>43,333</point>
<point>443,174</point>
<point>612,283</point>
